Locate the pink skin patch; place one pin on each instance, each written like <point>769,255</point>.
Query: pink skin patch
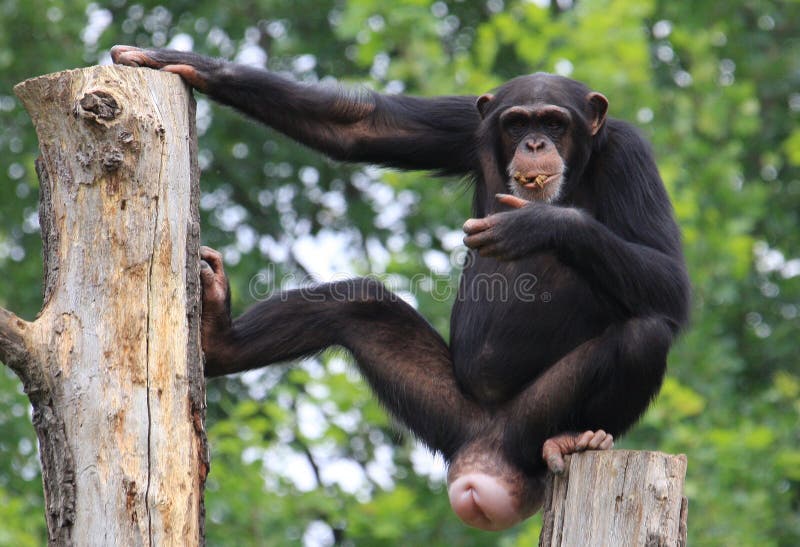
<point>499,498</point>
<point>482,502</point>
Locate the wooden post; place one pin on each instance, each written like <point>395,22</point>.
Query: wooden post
<point>112,364</point>
<point>615,498</point>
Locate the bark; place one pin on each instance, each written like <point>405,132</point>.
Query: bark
<point>112,364</point>
<point>617,497</point>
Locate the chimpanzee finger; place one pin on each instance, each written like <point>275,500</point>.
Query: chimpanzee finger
<point>117,52</point>
<point>597,439</point>
<point>207,275</point>
<point>511,201</point>
<point>132,56</point>
<point>475,225</point>
<point>479,240</point>
<point>212,257</point>
<point>216,292</point>
<point>551,453</point>
<point>583,441</point>
<point>608,443</point>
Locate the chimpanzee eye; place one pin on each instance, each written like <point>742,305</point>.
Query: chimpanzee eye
<point>553,123</point>
<point>516,124</point>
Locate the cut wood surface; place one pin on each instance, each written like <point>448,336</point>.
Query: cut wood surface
<point>617,498</point>
<point>112,364</point>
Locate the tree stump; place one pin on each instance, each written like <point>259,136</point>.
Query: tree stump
<point>112,364</point>
<point>617,498</point>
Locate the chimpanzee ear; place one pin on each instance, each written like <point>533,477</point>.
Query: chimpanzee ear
<point>598,105</point>
<point>482,102</point>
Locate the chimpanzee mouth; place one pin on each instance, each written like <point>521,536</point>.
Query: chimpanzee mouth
<point>535,182</point>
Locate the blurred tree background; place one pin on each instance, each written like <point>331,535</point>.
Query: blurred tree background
<point>302,454</point>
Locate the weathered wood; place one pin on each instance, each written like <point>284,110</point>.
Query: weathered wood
<point>112,364</point>
<point>617,497</point>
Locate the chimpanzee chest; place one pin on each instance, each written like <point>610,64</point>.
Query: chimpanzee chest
<point>513,320</point>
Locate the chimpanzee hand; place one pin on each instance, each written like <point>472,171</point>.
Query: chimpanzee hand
<point>215,321</point>
<point>195,69</point>
<point>512,234</point>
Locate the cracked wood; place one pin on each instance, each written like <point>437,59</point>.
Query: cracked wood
<point>112,363</point>
<point>617,497</point>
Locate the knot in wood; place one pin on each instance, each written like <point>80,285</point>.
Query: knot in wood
<point>99,106</point>
<point>112,159</point>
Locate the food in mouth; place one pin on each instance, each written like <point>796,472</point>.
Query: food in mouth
<point>538,180</point>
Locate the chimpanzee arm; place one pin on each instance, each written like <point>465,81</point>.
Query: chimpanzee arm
<point>354,125</point>
<point>640,279</point>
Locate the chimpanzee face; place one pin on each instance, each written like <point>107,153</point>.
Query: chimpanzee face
<point>544,125</point>
<point>535,139</point>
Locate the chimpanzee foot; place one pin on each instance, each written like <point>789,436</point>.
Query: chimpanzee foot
<point>216,316</point>
<point>555,448</point>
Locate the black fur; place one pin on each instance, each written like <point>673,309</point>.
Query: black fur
<point>582,347</point>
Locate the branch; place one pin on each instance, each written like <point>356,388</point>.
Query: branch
<point>13,348</point>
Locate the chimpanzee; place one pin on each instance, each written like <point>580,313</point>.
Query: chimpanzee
<point>564,197</point>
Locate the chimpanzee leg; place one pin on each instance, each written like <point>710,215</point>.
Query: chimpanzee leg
<point>403,358</point>
<point>606,383</point>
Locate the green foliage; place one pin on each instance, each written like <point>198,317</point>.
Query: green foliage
<point>304,454</point>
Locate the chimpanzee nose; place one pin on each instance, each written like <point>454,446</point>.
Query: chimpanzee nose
<point>535,145</point>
